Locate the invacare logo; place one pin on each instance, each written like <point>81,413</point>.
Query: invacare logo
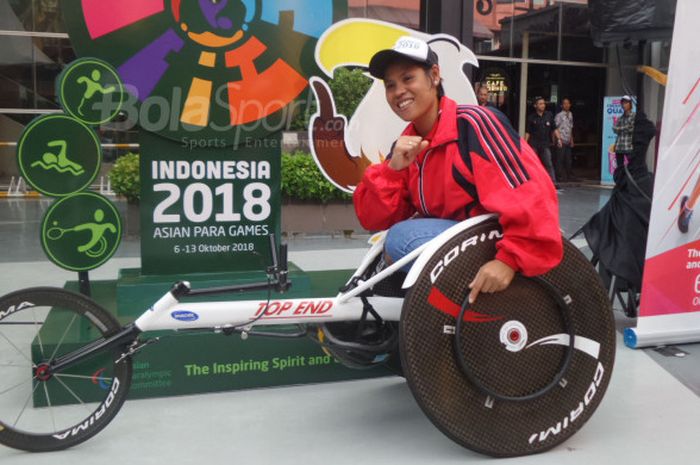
<point>87,424</point>
<point>184,315</point>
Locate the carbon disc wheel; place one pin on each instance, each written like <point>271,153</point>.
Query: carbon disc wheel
<point>523,386</point>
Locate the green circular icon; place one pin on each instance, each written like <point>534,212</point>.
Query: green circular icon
<point>58,155</point>
<point>91,91</point>
<point>81,232</point>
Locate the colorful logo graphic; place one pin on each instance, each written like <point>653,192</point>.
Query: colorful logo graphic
<point>91,91</point>
<point>58,155</point>
<point>208,65</point>
<point>344,149</point>
<point>101,381</point>
<point>80,232</point>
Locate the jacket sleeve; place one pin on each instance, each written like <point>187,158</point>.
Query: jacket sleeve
<point>511,181</point>
<point>382,198</point>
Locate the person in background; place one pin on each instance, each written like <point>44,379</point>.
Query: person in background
<point>624,128</point>
<point>482,95</point>
<point>539,132</point>
<point>564,123</point>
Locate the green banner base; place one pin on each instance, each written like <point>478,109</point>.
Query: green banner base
<point>195,363</point>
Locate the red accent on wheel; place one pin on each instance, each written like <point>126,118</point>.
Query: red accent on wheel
<point>514,336</point>
<point>43,372</point>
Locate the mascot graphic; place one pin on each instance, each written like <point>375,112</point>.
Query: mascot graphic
<point>344,149</point>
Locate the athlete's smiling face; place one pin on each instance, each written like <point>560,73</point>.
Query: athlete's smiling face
<point>411,91</point>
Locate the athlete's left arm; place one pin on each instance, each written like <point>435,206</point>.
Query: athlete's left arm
<point>511,181</point>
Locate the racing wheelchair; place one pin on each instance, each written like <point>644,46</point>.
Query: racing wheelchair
<point>517,372</point>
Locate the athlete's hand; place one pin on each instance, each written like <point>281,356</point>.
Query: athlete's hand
<point>406,150</point>
<point>492,277</point>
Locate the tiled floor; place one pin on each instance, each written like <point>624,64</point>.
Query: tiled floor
<point>649,415</point>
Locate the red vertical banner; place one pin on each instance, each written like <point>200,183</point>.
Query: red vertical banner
<point>670,306</point>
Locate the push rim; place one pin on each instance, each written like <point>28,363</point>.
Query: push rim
<point>556,379</point>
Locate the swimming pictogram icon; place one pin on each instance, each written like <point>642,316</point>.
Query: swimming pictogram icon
<point>60,161</point>
<point>58,155</point>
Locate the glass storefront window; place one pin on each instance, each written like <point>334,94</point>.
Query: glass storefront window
<point>541,27</point>
<point>16,122</point>
<point>59,52</point>
<point>503,81</point>
<point>576,43</point>
<point>31,15</point>
<point>492,32</point>
<point>554,30</point>
<point>553,83</point>
<point>403,12</point>
<point>28,70</point>
<point>17,70</point>
<point>9,19</point>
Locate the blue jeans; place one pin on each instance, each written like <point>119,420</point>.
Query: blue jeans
<point>406,236</point>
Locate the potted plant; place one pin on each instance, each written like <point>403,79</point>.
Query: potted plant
<point>311,202</point>
<point>126,181</point>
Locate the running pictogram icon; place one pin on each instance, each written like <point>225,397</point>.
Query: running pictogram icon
<point>91,91</point>
<point>92,87</point>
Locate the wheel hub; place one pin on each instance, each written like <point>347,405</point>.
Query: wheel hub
<point>43,372</point>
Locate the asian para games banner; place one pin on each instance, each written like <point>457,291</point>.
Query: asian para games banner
<point>670,305</point>
<point>612,110</point>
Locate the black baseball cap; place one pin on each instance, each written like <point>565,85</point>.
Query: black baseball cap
<point>406,47</point>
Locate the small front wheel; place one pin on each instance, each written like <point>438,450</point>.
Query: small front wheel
<point>41,410</point>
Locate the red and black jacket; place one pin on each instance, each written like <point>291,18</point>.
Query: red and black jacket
<point>475,163</point>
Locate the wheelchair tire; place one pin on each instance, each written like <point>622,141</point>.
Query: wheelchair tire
<point>534,388</point>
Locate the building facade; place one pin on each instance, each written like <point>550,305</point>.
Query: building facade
<point>526,48</point>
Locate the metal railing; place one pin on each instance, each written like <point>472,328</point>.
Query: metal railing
<point>18,188</point>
